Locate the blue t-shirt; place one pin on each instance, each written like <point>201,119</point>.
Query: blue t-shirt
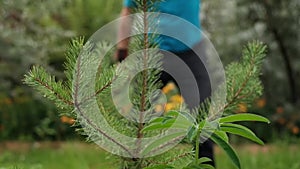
<point>177,34</point>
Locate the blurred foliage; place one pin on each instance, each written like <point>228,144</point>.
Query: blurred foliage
<point>234,22</point>
<point>230,24</point>
<point>25,118</point>
<point>29,35</point>
<point>86,16</point>
<point>37,32</point>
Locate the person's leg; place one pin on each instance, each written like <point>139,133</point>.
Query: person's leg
<point>201,75</point>
<point>190,75</point>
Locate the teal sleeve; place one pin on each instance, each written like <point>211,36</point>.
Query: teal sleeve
<point>128,3</point>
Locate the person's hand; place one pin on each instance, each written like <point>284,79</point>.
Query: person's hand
<point>121,54</point>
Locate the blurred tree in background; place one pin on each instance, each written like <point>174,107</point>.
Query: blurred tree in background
<point>234,22</point>
<point>86,16</point>
<point>30,34</point>
<point>275,22</point>
<point>279,26</point>
<point>37,32</point>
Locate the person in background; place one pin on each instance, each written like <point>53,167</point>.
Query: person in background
<point>188,10</point>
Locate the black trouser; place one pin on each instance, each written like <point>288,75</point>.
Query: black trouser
<point>188,72</point>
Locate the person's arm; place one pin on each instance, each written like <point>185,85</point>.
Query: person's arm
<point>123,34</point>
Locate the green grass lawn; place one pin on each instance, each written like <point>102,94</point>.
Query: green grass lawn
<point>76,155</point>
<point>279,156</point>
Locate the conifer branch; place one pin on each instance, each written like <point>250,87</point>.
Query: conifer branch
<point>106,86</point>
<point>186,154</point>
<point>58,96</point>
<point>244,87</point>
<point>145,68</point>
<point>94,126</point>
<point>47,85</point>
<point>86,119</point>
<point>237,94</point>
<point>253,53</point>
<point>77,74</point>
<point>72,53</point>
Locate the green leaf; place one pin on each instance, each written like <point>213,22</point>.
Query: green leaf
<point>156,120</point>
<point>172,113</point>
<point>241,131</point>
<point>206,166</point>
<point>192,133</point>
<point>243,117</point>
<point>200,165</point>
<point>172,119</point>
<point>161,166</point>
<point>169,115</point>
<point>203,160</point>
<point>159,125</point>
<point>162,141</point>
<point>222,135</point>
<point>228,150</point>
